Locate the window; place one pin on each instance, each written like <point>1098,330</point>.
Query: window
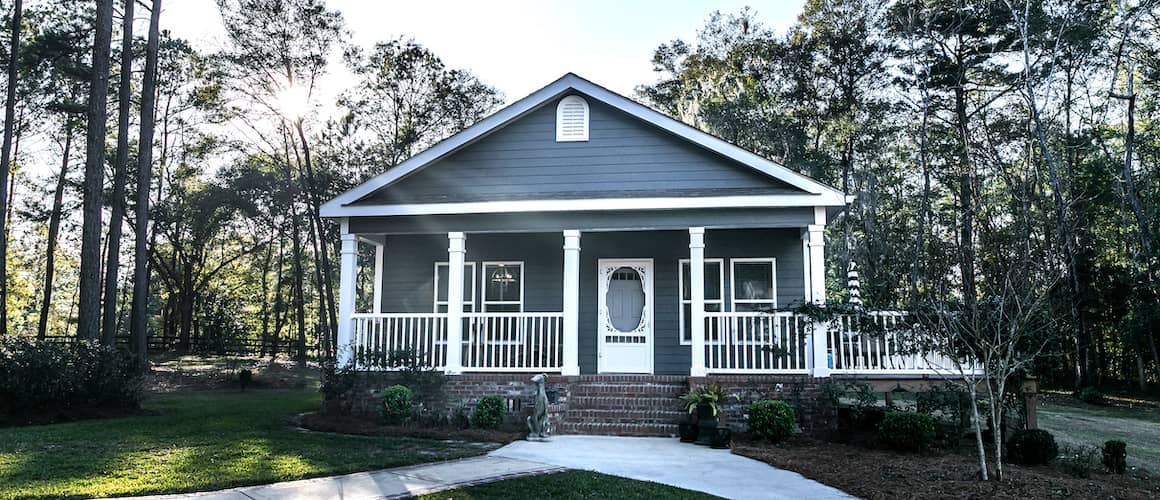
<point>754,284</point>
<point>572,119</point>
<point>441,281</point>
<point>503,286</point>
<point>714,298</point>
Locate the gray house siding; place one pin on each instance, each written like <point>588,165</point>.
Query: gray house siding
<point>624,157</point>
<point>611,220</point>
<point>408,284</point>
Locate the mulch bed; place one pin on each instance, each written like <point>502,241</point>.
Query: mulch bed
<point>345,424</point>
<point>879,474</point>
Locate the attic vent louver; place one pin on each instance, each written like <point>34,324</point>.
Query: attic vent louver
<point>572,119</point>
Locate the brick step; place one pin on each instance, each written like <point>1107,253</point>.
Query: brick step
<point>618,429</point>
<point>628,390</point>
<point>624,416</point>
<point>623,403</point>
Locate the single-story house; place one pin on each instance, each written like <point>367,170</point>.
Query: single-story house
<point>579,233</point>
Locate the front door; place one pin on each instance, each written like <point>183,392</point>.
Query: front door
<point>625,316</point>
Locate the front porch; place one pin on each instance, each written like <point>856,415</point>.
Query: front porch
<point>631,302</point>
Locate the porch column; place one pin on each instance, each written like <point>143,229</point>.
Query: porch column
<point>346,291</point>
<point>455,256</point>
<point>697,289</point>
<point>380,261</point>
<point>571,307</point>
<point>817,294</point>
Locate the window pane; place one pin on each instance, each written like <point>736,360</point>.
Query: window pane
<point>687,332</point>
<point>468,281</point>
<point>753,280</point>
<point>748,307</point>
<point>502,283</point>
<point>712,281</point>
<point>503,308</point>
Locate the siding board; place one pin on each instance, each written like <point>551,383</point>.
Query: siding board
<point>524,158</point>
<point>408,280</point>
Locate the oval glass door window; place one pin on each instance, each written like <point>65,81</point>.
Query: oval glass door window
<point>625,299</point>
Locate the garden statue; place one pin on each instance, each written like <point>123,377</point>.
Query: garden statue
<point>538,422</point>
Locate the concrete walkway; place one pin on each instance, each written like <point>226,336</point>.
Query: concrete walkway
<point>669,461</point>
<point>391,483</point>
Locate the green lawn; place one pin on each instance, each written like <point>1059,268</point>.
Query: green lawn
<point>1093,425</point>
<point>568,485</point>
<point>200,441</point>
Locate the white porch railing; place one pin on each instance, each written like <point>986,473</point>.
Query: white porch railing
<point>386,341</point>
<point>755,342</point>
<point>878,350</point>
<point>512,342</point>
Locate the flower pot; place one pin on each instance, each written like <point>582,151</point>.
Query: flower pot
<point>721,438</point>
<point>706,422</point>
<point>687,431</point>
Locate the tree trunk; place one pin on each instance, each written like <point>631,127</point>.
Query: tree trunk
<point>89,319</point>
<point>966,203</point>
<point>120,167</point>
<point>328,313</point>
<point>5,152</point>
<point>979,447</point>
<point>53,230</point>
<point>139,317</point>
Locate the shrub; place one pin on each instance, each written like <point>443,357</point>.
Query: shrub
<point>906,431</point>
<point>1116,456</point>
<point>1079,461</point>
<point>397,406</point>
<point>489,412</point>
<point>1031,447</point>
<point>1091,395</point>
<point>771,420</point>
<point>38,378</point>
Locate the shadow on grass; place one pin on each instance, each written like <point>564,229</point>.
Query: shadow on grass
<point>200,441</point>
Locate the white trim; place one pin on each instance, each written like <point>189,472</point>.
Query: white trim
<point>571,82</point>
<point>733,300</point>
<point>588,204</point>
<point>582,135</point>
<point>435,306</point>
<point>681,295</point>
<point>380,264</point>
<point>483,302</point>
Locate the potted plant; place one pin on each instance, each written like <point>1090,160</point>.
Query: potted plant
<point>702,402</point>
<point>687,429</point>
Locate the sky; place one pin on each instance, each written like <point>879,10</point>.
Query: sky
<point>517,46</point>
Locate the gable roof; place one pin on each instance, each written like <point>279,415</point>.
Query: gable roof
<point>817,194</point>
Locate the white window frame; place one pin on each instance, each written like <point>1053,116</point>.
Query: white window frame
<point>560,137</point>
<point>733,300</point>
<point>435,293</point>
<point>681,301</point>
<point>483,284</point>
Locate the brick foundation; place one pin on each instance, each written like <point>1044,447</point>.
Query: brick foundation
<point>605,404</point>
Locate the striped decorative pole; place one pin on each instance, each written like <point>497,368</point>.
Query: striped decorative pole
<point>852,285</point>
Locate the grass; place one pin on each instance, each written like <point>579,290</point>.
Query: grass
<point>1093,425</point>
<point>198,441</point>
<point>569,485</point>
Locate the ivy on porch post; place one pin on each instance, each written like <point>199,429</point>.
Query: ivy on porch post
<point>455,258</point>
<point>346,291</point>
<point>697,289</point>
<point>571,308</point>
<point>817,294</point>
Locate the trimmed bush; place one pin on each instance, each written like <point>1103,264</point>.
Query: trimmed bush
<point>1116,456</point>
<point>1091,396</point>
<point>906,431</point>
<point>489,412</point>
<point>40,378</point>
<point>771,420</point>
<point>1031,447</point>
<point>397,405</point>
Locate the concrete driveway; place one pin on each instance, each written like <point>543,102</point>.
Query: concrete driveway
<point>669,461</point>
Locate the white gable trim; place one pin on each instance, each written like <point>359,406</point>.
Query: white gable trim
<point>337,207</point>
<point>590,205</point>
